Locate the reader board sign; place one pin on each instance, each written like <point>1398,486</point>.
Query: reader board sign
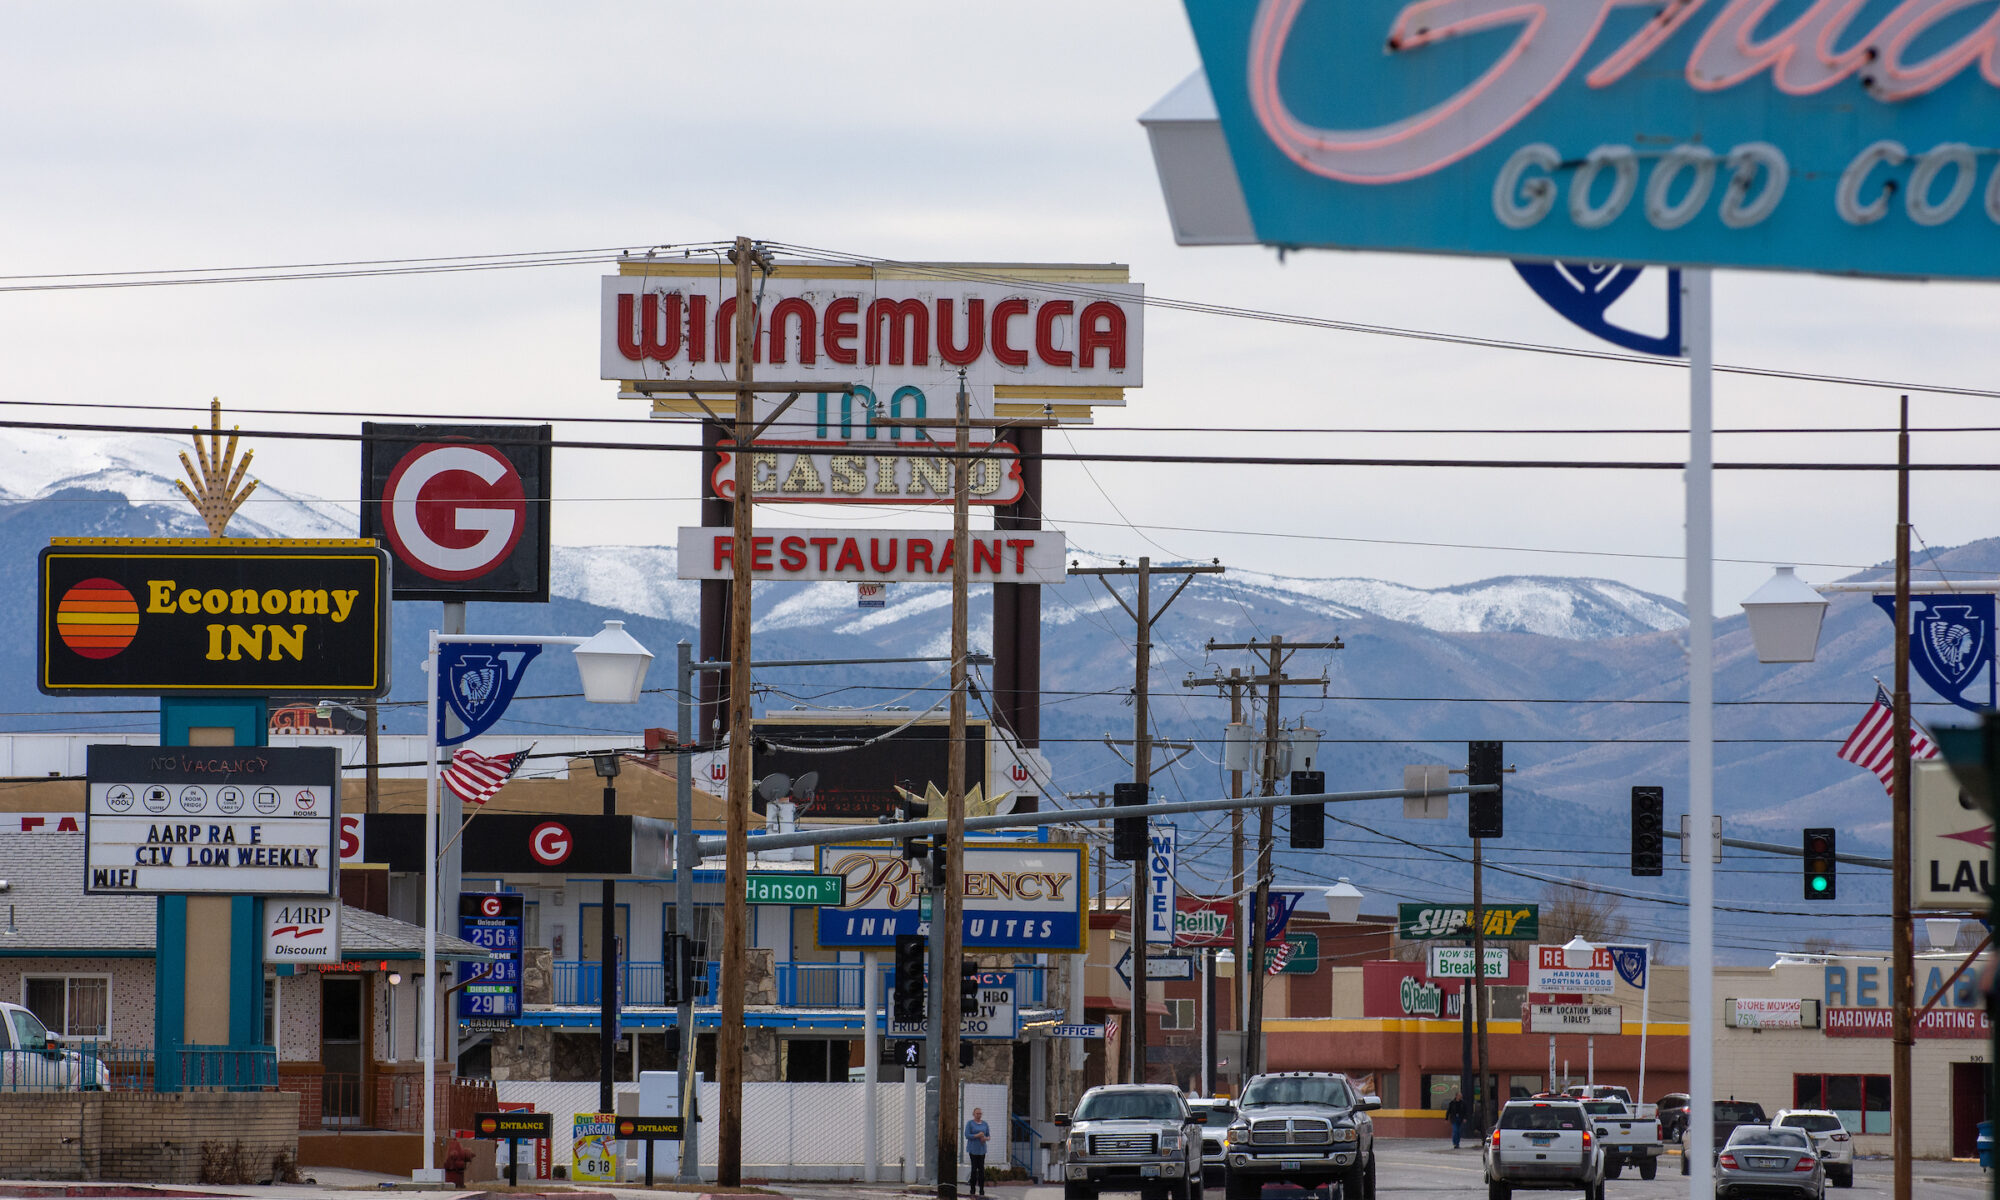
<point>302,930</point>
<point>149,617</point>
<point>892,555</point>
<point>913,325</point>
<point>1018,895</point>
<point>998,1018</point>
<point>1576,1018</point>
<point>491,990</point>
<point>1508,922</point>
<point>464,508</point>
<point>168,820</point>
<point>1837,137</point>
<point>1548,971</point>
<point>1951,843</point>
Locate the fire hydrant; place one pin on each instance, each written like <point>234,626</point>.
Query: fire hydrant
<point>455,1162</point>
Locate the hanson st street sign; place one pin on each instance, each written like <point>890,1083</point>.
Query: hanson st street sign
<point>1842,137</point>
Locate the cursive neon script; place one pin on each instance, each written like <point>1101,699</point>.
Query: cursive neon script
<point>1553,37</point>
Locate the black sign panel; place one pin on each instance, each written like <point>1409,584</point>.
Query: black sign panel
<point>511,843</point>
<point>149,617</point>
<point>464,508</point>
<point>502,1125</point>
<point>491,991</point>
<point>650,1128</point>
<point>860,781</point>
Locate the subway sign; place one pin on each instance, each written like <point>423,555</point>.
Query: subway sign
<point>1507,922</point>
<point>147,616</point>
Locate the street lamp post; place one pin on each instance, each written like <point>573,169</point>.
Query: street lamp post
<point>612,665</point>
<point>608,991</point>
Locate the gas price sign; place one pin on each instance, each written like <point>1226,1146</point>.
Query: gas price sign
<point>490,992</point>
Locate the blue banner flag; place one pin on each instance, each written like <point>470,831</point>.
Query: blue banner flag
<point>1630,962</point>
<point>1951,644</point>
<point>476,681</point>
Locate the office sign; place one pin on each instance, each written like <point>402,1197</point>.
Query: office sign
<point>302,930</point>
<point>869,323</point>
<point>464,508</point>
<point>144,617</point>
<point>912,473</point>
<point>511,843</point>
<point>800,890</point>
<point>1842,138</point>
<point>1455,962</point>
<point>1508,922</point>
<point>490,992</point>
<point>998,1018</point>
<point>893,555</point>
<point>1549,971</point>
<point>1576,1018</point>
<point>1951,843</point>
<point>255,820</point>
<point>1086,1032</point>
<point>1018,895</point>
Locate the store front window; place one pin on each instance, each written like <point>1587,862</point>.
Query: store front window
<point>1861,1101</point>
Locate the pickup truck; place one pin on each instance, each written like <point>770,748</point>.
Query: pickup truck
<point>1628,1139</point>
<point>33,1060</point>
<point>1728,1114</point>
<point>1132,1137</point>
<point>1544,1145</point>
<point>1305,1128</point>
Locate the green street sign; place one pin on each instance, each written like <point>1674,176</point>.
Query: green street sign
<point>1305,955</point>
<point>814,891</point>
<point>1505,922</point>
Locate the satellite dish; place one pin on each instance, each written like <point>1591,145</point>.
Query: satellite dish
<point>774,787</point>
<point>804,786</point>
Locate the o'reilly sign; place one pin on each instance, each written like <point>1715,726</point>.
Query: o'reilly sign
<point>1507,922</point>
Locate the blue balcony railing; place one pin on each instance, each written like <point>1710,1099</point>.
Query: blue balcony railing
<point>643,984</point>
<point>798,984</point>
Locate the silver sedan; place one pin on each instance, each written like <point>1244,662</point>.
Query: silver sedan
<point>1764,1161</point>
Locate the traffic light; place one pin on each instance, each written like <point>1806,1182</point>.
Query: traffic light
<point>909,1000</point>
<point>1128,834</point>
<point>674,1045</point>
<point>1308,820</point>
<point>685,971</point>
<point>1820,883</point>
<point>937,860</point>
<point>968,988</point>
<point>1648,855</point>
<point>911,810</point>
<point>1483,816</point>
<point>965,1049</point>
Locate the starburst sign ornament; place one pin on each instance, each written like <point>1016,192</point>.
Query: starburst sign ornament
<point>215,493</point>
<point>975,804</point>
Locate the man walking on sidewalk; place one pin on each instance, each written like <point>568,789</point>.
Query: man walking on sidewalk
<point>976,1135</point>
<point>1455,1113</point>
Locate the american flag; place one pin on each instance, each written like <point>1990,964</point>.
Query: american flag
<point>1276,955</point>
<point>1110,1028</point>
<point>474,777</point>
<point>1873,743</point>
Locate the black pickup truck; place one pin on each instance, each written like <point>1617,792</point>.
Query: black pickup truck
<point>1728,1115</point>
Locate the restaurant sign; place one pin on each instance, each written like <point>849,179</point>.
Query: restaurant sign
<point>1508,922</point>
<point>896,555</point>
<point>150,616</point>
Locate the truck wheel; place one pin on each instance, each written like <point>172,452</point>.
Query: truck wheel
<point>1614,1168</point>
<point>1238,1189</point>
<point>1649,1168</point>
<point>1078,1191</point>
<point>1845,1178</point>
<point>1368,1180</point>
<point>1499,1191</point>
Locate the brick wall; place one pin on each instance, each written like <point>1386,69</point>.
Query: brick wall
<point>140,1136</point>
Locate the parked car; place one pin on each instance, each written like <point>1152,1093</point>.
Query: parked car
<point>1305,1128</point>
<point>36,1060</point>
<point>1836,1145</point>
<point>1132,1137</point>
<point>1763,1160</point>
<point>1625,1137</point>
<point>1544,1146</point>
<point>1216,1116</point>
<point>1672,1110</point>
<point>1729,1115</point>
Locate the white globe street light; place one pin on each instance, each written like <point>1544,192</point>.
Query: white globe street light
<point>1343,902</point>
<point>613,665</point>
<point>1578,954</point>
<point>1784,617</point>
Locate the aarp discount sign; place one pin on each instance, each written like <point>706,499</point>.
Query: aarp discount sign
<point>1549,971</point>
<point>1951,843</point>
<point>1841,137</point>
<point>464,508</point>
<point>1018,896</point>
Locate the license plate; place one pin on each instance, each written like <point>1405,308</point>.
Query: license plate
<point>1290,1164</point>
<point>1149,1170</point>
<point>1541,1139</point>
<point>1623,1149</point>
<point>1767,1164</point>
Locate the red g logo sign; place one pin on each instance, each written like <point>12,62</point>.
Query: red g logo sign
<point>550,843</point>
<point>454,511</point>
<point>490,906</point>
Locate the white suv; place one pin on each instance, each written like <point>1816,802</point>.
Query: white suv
<point>1830,1138</point>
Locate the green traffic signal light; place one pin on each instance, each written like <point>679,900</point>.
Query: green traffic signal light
<point>1819,883</point>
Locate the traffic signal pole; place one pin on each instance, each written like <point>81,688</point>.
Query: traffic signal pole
<point>1904,994</point>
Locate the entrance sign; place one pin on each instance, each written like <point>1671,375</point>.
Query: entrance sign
<point>1951,843</point>
<point>1018,895</point>
<point>905,555</point>
<point>1842,138</point>
<point>1576,1018</point>
<point>1508,922</point>
<point>513,1125</point>
<point>142,617</point>
<point>302,930</point>
<point>464,508</point>
<point>201,820</point>
<point>489,993</point>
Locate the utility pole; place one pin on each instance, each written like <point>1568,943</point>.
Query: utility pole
<point>1238,986</point>
<point>1478,993</point>
<point>736,865</point>
<point>1903,994</point>
<point>1274,655</point>
<point>1143,618</point>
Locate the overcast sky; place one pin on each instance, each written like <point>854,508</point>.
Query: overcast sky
<point>158,135</point>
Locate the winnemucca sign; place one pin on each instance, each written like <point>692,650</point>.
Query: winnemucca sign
<point>147,616</point>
